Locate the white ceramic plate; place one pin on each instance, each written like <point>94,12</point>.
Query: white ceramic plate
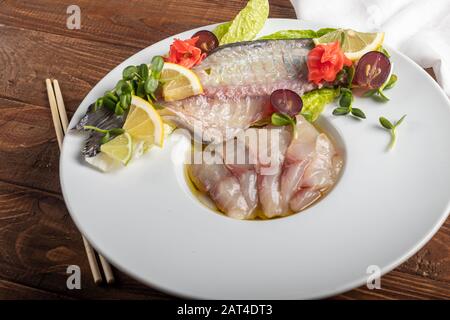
<point>385,207</point>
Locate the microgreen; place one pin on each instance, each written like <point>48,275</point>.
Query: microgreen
<point>385,123</point>
<point>281,119</point>
<point>107,134</point>
<point>345,105</point>
<point>136,80</point>
<point>345,76</point>
<point>383,50</point>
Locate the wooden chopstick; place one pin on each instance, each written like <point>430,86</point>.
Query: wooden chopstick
<point>61,107</point>
<point>60,122</point>
<point>90,253</point>
<point>55,113</point>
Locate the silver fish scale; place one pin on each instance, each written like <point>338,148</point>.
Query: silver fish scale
<point>257,63</point>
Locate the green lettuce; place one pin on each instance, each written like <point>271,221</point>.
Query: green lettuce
<point>314,102</point>
<point>221,30</point>
<point>290,34</point>
<point>297,34</point>
<point>246,25</point>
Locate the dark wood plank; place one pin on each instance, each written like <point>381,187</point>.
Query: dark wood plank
<point>29,57</point>
<point>132,23</point>
<point>28,150</point>
<point>38,241</point>
<point>14,291</point>
<point>432,261</point>
<point>399,285</point>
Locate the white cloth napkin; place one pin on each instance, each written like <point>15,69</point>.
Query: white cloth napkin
<point>418,28</point>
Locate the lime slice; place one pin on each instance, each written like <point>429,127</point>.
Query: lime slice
<point>179,82</point>
<point>119,148</point>
<point>354,44</point>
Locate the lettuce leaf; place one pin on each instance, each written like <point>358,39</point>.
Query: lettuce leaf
<point>290,34</point>
<point>314,102</point>
<point>297,34</point>
<point>221,30</point>
<point>247,23</point>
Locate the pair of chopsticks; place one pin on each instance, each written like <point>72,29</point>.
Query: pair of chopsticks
<point>61,123</point>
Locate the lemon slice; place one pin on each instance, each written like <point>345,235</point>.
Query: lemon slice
<point>144,122</point>
<point>120,148</point>
<point>354,44</point>
<point>179,82</point>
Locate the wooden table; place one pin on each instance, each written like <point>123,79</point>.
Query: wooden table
<point>38,239</point>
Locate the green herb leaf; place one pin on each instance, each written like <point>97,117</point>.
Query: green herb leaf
<point>324,31</point>
<point>350,75</point>
<point>341,111</point>
<point>279,119</point>
<point>399,122</point>
<point>151,84</point>
<point>111,95</point>
<point>383,50</point>
<point>157,64</point>
<point>381,96</point>
<point>143,71</point>
<point>140,91</point>
<point>110,104</point>
<point>119,86</point>
<point>118,110</point>
<point>129,73</point>
<point>297,34</point>
<point>391,83</point>
<point>125,100</point>
<point>346,99</point>
<point>386,123</point>
<point>358,113</point>
<point>98,103</point>
<point>291,34</point>
<point>116,131</point>
<point>392,129</point>
<point>105,138</point>
<point>370,93</point>
<point>95,129</point>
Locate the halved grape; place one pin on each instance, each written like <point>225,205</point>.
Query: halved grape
<point>286,102</point>
<point>207,40</point>
<point>372,70</point>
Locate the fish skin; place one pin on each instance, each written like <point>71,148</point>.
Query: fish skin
<point>102,118</point>
<point>256,68</point>
<point>242,76</point>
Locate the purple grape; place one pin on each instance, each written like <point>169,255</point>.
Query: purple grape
<point>372,70</point>
<point>286,102</point>
<point>207,41</point>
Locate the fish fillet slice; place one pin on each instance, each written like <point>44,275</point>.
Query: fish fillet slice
<point>237,80</point>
